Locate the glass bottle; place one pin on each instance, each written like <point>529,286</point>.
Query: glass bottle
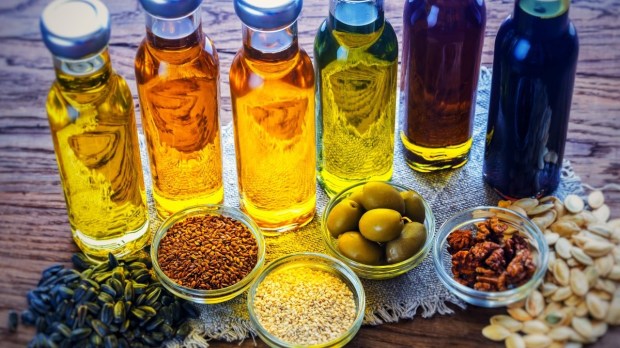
<point>356,59</point>
<point>93,126</point>
<point>177,72</point>
<point>533,75</point>
<point>442,46</point>
<point>272,90</point>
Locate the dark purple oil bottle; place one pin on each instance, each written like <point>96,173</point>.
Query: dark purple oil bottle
<point>533,75</point>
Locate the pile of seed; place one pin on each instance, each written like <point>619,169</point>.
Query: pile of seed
<point>207,252</point>
<point>580,294</point>
<point>304,306</point>
<point>112,304</point>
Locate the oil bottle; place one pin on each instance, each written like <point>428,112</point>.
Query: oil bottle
<point>93,127</point>
<point>272,90</point>
<point>442,47</point>
<point>177,72</point>
<point>534,68</point>
<point>356,59</point>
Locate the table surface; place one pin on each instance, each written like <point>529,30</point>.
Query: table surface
<point>34,228</point>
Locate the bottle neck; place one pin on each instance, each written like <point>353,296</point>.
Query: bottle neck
<point>541,19</point>
<point>357,16</point>
<point>278,44</point>
<point>85,74</point>
<point>177,33</point>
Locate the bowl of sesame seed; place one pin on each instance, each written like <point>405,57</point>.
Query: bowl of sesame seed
<point>306,300</point>
<point>208,253</point>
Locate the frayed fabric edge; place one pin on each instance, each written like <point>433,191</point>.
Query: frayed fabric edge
<point>240,330</point>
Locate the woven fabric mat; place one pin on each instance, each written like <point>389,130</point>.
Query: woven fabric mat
<point>418,292</point>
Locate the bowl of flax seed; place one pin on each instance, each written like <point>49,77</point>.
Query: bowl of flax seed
<point>208,253</point>
<point>306,300</point>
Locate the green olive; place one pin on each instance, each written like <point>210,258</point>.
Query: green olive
<point>411,240</point>
<point>414,208</point>
<point>357,195</point>
<point>357,248</point>
<point>376,194</point>
<point>381,225</point>
<point>344,217</point>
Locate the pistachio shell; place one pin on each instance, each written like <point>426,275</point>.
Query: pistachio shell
<point>596,306</point>
<point>535,304</point>
<point>537,341</point>
<point>574,203</point>
<point>560,333</point>
<point>515,341</point>
<point>519,314</point>
<point>535,327</point>
<point>507,322</point>
<point>495,332</point>
<point>581,256</point>
<point>596,199</point>
<point>562,247</point>
<point>602,213</point>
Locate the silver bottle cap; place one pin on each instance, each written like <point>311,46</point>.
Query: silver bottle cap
<point>75,29</point>
<point>268,14</point>
<point>170,9</point>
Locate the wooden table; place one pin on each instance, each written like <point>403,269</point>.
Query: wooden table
<point>34,228</point>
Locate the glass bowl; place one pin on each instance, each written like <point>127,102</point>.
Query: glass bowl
<point>316,261</point>
<point>465,219</point>
<point>208,296</point>
<point>382,271</point>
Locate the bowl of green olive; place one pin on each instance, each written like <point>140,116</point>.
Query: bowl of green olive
<point>379,229</point>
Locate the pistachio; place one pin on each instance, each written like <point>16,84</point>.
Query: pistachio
<point>507,322</point>
<point>596,199</point>
<point>515,341</point>
<point>537,341</point>
<point>574,204</point>
<point>495,332</point>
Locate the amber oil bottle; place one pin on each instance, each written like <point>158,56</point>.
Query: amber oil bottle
<point>272,90</point>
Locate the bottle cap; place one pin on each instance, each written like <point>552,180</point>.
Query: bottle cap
<point>75,29</point>
<point>268,14</point>
<point>170,9</point>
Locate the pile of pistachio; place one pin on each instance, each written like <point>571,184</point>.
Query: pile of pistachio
<point>580,294</point>
<point>117,303</point>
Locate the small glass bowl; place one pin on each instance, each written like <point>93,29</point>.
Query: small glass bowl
<point>383,271</point>
<point>208,296</point>
<point>317,261</point>
<point>465,219</point>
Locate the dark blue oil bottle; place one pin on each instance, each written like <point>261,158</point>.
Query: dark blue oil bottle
<point>533,75</point>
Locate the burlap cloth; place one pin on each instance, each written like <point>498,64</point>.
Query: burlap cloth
<point>418,292</point>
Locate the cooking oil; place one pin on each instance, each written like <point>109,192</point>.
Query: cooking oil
<point>356,54</point>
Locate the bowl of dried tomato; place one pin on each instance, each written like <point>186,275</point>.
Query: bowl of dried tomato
<point>208,253</point>
<point>490,256</point>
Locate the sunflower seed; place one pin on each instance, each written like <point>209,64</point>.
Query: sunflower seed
<point>119,312</point>
<point>537,341</point>
<point>107,314</point>
<point>515,341</point>
<point>100,328</point>
<point>506,321</point>
<point>602,213</point>
<point>535,327</point>
<point>108,290</point>
<point>81,333</point>
<point>13,321</point>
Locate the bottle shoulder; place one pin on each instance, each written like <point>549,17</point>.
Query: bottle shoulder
<point>200,59</point>
<point>529,49</point>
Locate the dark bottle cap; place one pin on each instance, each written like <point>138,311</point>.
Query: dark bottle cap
<point>170,9</point>
<point>75,29</point>
<point>268,14</point>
